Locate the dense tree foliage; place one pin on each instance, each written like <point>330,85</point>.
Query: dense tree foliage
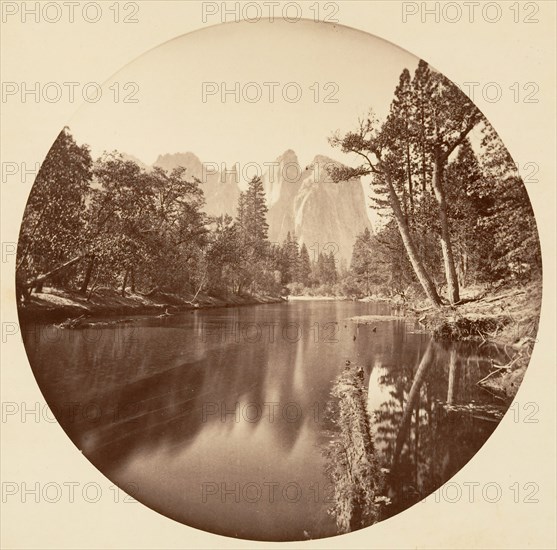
<point>54,224</point>
<point>454,212</point>
<point>114,224</point>
<point>445,202</point>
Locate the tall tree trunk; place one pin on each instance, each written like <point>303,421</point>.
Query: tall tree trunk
<point>417,441</point>
<point>125,282</point>
<point>446,247</point>
<point>24,254</point>
<point>464,267</point>
<point>410,182</point>
<point>423,151</point>
<point>405,205</point>
<point>421,273</point>
<point>22,290</point>
<point>92,289</point>
<point>87,278</point>
<point>132,276</point>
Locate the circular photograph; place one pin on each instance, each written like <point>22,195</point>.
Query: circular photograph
<point>278,281</point>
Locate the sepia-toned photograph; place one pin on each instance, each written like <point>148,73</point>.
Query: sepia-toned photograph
<point>279,282</point>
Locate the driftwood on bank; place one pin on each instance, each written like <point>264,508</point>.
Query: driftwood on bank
<point>72,323</point>
<point>352,463</point>
<point>82,322</point>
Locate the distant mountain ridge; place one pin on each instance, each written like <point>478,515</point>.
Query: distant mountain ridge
<point>221,189</point>
<point>303,201</point>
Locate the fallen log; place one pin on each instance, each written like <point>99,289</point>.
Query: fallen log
<point>42,278</point>
<point>72,323</point>
<point>501,296</point>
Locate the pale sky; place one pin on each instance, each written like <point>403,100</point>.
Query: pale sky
<point>171,115</point>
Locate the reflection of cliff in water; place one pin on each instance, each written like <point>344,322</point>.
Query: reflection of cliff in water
<point>119,401</point>
<point>169,404</point>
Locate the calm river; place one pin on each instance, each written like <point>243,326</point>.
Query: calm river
<point>216,417</point>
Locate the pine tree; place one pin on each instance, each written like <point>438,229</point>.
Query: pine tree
<point>468,206</point>
<point>253,246</point>
<point>421,125</point>
<point>331,263</point>
<point>252,217</point>
<point>305,265</point>
<point>291,254</point>
<point>453,117</point>
<point>381,160</point>
<point>362,264</point>
<point>399,124</point>
<point>515,249</point>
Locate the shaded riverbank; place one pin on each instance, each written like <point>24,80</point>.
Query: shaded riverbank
<point>506,316</point>
<point>54,305</point>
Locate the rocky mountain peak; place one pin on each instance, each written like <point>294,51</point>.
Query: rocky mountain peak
<point>302,200</point>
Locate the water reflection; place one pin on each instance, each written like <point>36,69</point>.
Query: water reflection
<point>217,416</point>
<point>430,417</point>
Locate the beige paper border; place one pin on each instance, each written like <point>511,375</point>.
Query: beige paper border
<point>504,52</point>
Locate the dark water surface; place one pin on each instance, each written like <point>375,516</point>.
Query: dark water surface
<point>216,418</point>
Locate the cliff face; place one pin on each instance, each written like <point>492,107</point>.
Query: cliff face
<point>302,200</point>
<point>282,183</point>
<point>322,214</point>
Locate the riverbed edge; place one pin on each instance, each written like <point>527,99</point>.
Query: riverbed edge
<point>55,305</point>
<point>506,316</point>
